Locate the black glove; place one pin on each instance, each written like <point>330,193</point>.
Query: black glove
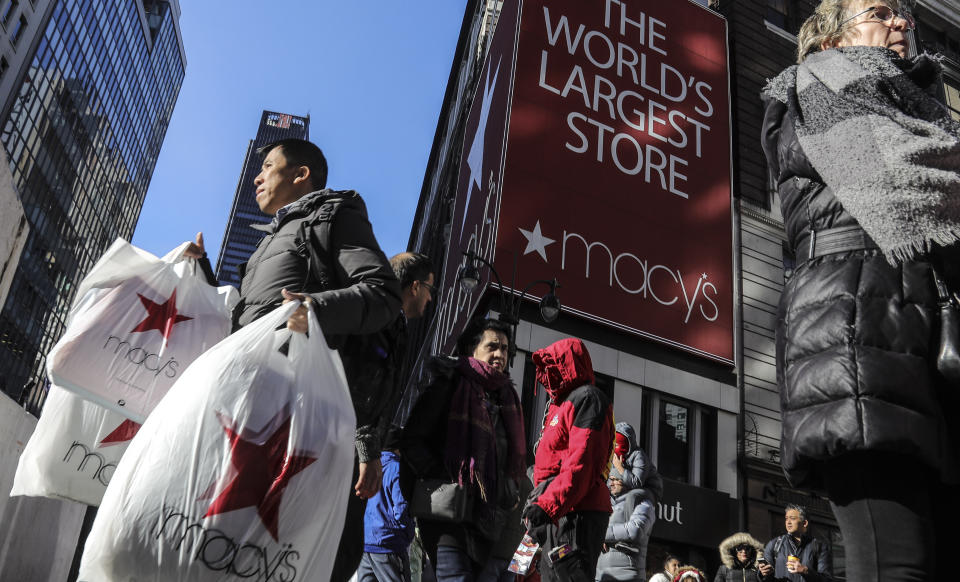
<point>534,516</point>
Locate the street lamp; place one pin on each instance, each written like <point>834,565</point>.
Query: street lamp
<point>469,277</point>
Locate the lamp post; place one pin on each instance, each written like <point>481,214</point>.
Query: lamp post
<point>469,278</point>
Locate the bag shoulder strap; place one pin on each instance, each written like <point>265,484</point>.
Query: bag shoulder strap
<point>777,546</point>
<point>313,240</point>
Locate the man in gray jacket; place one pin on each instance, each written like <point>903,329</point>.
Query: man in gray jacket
<point>320,249</point>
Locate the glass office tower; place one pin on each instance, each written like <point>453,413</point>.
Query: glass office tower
<point>83,133</point>
<point>239,240</point>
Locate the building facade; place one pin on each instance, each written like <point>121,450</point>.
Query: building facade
<point>82,123</point>
<point>713,429</point>
<point>685,407</point>
<point>239,239</point>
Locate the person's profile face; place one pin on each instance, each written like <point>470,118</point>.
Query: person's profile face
<point>424,294</point>
<point>793,523</point>
<point>615,486</point>
<point>880,26</point>
<point>492,349</point>
<point>275,183</point>
<point>672,567</point>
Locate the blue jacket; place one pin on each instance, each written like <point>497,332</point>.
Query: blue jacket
<point>387,525</point>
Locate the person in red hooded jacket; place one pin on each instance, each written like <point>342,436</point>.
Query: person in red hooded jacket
<point>569,508</point>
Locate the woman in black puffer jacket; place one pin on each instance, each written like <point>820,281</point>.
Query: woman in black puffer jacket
<point>866,165</point>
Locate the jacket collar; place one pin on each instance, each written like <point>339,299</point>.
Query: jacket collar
<point>295,209</point>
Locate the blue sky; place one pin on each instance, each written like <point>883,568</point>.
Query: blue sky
<point>371,75</point>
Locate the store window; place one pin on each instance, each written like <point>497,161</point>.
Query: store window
<point>951,89</point>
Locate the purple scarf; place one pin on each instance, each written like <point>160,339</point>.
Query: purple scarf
<point>471,448</point>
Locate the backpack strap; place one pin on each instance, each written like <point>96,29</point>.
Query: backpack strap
<point>313,240</point>
<point>776,548</point>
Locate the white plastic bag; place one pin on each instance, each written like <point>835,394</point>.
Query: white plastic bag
<point>137,323</point>
<point>74,450</point>
<point>241,473</point>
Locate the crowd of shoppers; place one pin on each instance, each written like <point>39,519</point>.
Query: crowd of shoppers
<point>864,159</point>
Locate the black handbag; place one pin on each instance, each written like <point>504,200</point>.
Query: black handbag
<point>948,358</point>
<point>440,500</point>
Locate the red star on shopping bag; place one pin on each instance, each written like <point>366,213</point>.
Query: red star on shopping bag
<point>126,431</point>
<point>161,316</point>
<point>263,470</point>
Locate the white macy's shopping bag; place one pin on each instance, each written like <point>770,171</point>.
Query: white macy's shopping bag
<point>76,445</point>
<point>74,450</point>
<point>137,323</point>
<point>241,473</point>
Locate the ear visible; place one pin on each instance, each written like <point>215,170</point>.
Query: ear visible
<point>303,173</point>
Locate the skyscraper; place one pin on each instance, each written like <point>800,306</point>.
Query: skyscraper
<point>90,99</point>
<point>240,240</point>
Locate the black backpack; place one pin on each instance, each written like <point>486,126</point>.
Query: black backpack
<point>372,362</point>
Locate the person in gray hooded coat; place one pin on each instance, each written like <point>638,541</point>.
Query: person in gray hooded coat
<point>629,459</point>
<point>625,546</point>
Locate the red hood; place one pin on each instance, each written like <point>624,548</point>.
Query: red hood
<point>562,367</point>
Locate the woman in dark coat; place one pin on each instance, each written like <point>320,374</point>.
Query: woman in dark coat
<point>866,162</point>
<point>739,556</point>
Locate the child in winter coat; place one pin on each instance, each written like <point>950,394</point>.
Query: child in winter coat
<point>632,461</point>
<point>625,545</point>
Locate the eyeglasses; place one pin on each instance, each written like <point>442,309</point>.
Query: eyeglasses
<point>431,288</point>
<point>885,14</point>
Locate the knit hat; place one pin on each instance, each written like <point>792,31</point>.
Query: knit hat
<point>689,574</point>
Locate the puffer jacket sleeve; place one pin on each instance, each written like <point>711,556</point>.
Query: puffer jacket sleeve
<point>370,296</point>
<point>638,470</point>
<point>590,444</point>
<point>773,114</point>
<point>636,530</point>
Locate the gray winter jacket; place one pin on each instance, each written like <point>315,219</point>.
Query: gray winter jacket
<point>640,471</point>
<point>354,290</point>
<point>628,532</point>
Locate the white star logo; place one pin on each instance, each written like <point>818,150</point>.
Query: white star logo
<point>475,157</point>
<point>536,241</point>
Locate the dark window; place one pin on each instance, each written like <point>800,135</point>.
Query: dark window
<point>781,13</point>
<point>18,29</point>
<point>8,12</point>
<point>674,433</point>
<point>4,65</point>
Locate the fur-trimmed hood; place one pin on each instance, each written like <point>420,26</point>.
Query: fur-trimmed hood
<point>728,554</point>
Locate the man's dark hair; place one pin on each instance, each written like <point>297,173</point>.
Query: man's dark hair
<point>300,152</point>
<point>799,509</point>
<point>410,267</point>
<point>472,336</point>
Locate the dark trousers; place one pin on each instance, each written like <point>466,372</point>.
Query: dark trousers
<point>897,520</point>
<point>454,565</point>
<point>384,568</point>
<point>580,532</point>
<point>350,550</point>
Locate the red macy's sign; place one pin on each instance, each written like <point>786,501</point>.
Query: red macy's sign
<point>617,173</point>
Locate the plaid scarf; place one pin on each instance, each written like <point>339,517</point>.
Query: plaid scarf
<point>471,448</point>
<point>871,127</point>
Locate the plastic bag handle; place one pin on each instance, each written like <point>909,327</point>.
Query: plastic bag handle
<point>176,255</point>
